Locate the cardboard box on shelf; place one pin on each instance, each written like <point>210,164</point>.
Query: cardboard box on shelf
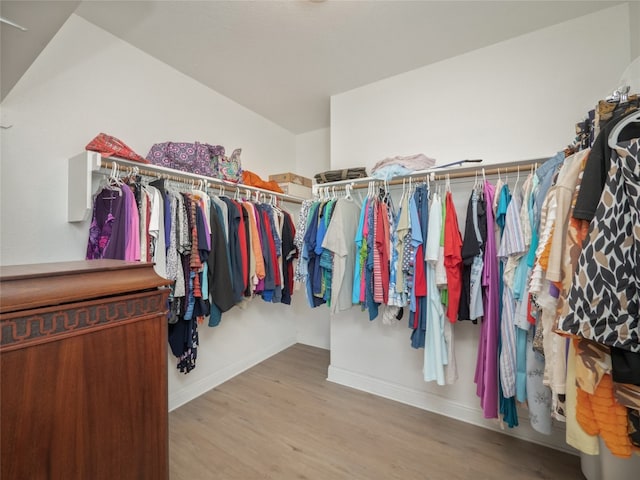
<point>296,190</point>
<point>291,178</point>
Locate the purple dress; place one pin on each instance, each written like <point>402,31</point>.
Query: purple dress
<point>107,230</point>
<point>486,377</point>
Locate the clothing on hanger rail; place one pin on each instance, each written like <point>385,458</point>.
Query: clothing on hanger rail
<point>218,251</point>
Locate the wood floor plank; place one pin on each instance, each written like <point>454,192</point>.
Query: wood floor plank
<point>282,420</point>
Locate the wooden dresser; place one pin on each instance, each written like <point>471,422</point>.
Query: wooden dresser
<point>83,368</point>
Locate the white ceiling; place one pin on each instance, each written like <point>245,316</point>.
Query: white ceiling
<point>284,59</point>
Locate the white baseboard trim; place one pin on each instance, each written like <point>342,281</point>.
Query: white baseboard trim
<point>313,344</point>
<point>205,384</point>
<point>447,407</point>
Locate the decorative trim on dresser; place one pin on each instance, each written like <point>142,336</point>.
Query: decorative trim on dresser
<point>83,371</point>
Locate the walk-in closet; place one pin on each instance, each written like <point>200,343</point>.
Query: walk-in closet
<point>320,239</point>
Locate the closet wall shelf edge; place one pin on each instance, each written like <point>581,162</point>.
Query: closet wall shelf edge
<point>440,173</point>
<point>83,166</point>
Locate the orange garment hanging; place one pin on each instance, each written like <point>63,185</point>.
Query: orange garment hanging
<point>600,414</point>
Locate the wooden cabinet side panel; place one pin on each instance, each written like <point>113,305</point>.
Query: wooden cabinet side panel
<point>89,406</point>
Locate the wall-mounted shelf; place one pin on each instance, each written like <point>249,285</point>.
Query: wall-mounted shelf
<point>79,190</point>
<point>82,167</point>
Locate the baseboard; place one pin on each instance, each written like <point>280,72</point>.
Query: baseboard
<point>220,376</point>
<point>447,407</point>
<point>313,344</point>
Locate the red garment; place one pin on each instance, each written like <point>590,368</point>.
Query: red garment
<point>195,264</point>
<point>109,146</point>
<point>242,237</point>
<point>419,282</point>
<point>419,273</point>
<point>452,258</point>
<point>530,318</point>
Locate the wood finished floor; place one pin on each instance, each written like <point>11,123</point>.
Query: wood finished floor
<point>283,420</point>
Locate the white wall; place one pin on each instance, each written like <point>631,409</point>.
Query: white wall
<point>516,100</point>
<point>87,81</point>
<point>312,156</point>
<point>313,152</point>
<point>634,24</point>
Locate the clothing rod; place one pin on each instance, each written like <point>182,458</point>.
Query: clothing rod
<point>437,174</point>
<point>179,176</point>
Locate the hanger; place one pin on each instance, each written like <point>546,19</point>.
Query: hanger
<point>515,186</point>
<point>131,174</point>
<point>347,190</point>
<point>615,133</point>
<point>620,95</point>
<point>114,179</point>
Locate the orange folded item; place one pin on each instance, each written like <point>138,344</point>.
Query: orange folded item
<point>254,180</point>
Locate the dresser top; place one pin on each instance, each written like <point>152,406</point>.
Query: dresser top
<point>45,284</point>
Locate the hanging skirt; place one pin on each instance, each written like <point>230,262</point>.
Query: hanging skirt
<point>605,295</point>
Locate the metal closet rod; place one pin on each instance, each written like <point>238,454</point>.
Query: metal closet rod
<point>436,174</point>
<point>178,176</point>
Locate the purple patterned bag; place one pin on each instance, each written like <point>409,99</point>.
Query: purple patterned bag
<point>199,158</point>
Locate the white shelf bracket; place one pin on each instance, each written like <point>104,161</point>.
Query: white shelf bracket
<point>79,188</point>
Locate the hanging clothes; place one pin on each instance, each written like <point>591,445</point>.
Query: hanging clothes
<point>435,349</point>
<point>107,231</point>
<point>419,284</point>
<point>339,240</point>
<point>289,254</point>
<point>511,247</point>
<point>214,249</point>
<point>360,257</point>
<point>452,259</point>
<point>486,376</point>
<point>470,249</point>
<point>507,405</point>
<point>606,310</point>
<point>218,271</point>
<point>300,271</point>
<point>599,164</point>
<point>414,275</point>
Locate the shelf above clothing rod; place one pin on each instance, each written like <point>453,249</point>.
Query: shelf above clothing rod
<point>83,166</point>
<point>440,174</point>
